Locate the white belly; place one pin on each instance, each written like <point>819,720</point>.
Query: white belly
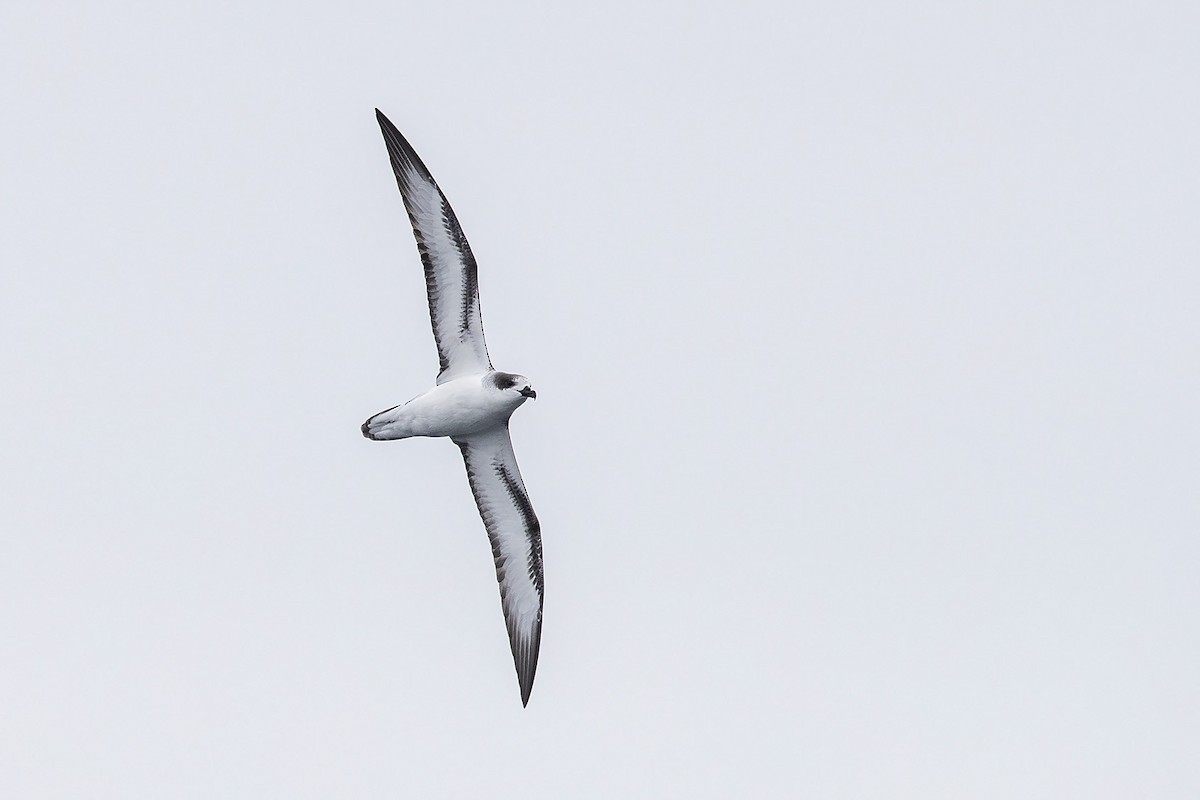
<point>456,408</point>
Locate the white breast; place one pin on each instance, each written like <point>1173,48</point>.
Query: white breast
<point>458,408</point>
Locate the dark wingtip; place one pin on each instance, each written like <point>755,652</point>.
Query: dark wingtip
<point>526,689</point>
<point>402,155</point>
<point>525,658</point>
<point>385,123</point>
<point>366,430</point>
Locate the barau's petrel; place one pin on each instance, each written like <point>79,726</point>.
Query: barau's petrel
<point>471,403</point>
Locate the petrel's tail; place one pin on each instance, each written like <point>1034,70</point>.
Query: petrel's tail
<point>388,424</point>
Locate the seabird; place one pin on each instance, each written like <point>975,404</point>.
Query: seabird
<point>471,403</point>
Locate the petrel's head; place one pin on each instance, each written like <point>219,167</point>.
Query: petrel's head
<point>510,383</point>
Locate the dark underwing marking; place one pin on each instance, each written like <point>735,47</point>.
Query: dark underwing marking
<point>431,289</point>
<point>470,277</point>
<point>524,508</point>
<point>533,528</point>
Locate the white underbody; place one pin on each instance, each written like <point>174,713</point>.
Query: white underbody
<point>457,408</point>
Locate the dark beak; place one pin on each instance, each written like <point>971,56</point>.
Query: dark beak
<point>527,392</point>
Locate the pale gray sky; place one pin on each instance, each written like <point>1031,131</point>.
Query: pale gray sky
<point>865,448</point>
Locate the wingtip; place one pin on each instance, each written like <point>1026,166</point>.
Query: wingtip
<point>526,663</point>
<point>383,121</point>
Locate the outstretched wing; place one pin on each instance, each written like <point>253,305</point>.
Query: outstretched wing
<point>451,278</point>
<point>516,542</point>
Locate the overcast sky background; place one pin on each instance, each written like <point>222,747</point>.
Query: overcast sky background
<point>865,448</point>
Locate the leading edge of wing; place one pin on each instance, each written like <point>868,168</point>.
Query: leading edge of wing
<point>515,535</point>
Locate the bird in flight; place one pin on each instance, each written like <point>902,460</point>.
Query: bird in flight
<point>471,403</point>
